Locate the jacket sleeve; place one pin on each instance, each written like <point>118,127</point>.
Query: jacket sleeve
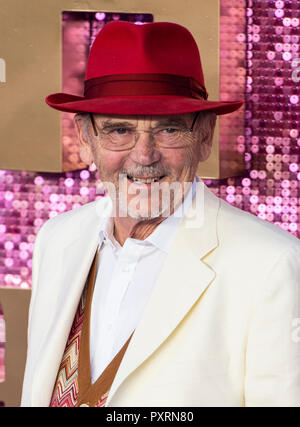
<point>26,391</point>
<point>273,348</point>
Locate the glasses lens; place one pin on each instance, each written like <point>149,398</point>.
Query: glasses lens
<point>119,139</point>
<point>173,138</point>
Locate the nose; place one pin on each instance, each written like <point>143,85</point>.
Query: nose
<point>144,151</point>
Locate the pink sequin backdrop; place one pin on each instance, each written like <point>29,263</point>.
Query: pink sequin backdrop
<point>270,139</point>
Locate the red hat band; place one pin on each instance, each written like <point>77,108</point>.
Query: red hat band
<point>143,84</point>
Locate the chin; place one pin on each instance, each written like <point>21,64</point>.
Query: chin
<point>142,216</point>
<point>147,215</point>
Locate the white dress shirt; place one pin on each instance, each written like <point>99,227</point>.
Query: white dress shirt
<point>125,279</point>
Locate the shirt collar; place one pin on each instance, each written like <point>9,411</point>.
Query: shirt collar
<point>161,237</point>
<point>107,227</point>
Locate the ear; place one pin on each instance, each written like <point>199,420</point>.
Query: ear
<point>207,139</point>
<point>85,151</point>
<point>206,146</point>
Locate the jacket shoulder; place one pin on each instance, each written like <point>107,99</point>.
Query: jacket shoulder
<point>73,218</point>
<point>249,231</point>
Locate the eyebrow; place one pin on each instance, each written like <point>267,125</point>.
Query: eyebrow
<point>112,124</point>
<point>159,123</point>
<point>171,121</point>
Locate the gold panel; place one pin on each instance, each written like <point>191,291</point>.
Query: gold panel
<point>15,305</point>
<point>30,44</point>
<point>2,71</point>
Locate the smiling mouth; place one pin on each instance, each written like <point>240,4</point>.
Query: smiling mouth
<point>146,180</point>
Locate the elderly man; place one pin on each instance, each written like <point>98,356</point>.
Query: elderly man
<point>159,293</point>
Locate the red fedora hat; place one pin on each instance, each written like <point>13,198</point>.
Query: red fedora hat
<point>142,69</point>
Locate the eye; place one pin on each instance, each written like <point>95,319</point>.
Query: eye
<point>170,130</point>
<point>120,131</point>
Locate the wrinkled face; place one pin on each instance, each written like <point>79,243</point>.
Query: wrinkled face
<point>148,177</point>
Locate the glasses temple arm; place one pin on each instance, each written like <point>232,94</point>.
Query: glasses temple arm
<point>93,124</point>
<point>194,121</point>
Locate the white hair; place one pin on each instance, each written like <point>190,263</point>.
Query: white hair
<point>205,124</point>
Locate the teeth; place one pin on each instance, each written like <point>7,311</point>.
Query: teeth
<point>145,180</point>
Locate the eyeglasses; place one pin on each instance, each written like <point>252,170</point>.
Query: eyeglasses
<point>118,138</point>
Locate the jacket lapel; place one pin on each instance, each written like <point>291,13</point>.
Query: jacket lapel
<point>75,256</point>
<point>182,281</point>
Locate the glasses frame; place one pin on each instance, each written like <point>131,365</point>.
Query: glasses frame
<point>97,134</point>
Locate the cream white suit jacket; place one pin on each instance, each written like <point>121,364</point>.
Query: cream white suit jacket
<point>221,328</point>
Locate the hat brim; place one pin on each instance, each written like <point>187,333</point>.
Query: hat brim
<point>138,105</point>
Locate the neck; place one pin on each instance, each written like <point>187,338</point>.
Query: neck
<point>136,229</point>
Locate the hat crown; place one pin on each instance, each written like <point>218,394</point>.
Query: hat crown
<point>150,69</point>
<point>155,48</point>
